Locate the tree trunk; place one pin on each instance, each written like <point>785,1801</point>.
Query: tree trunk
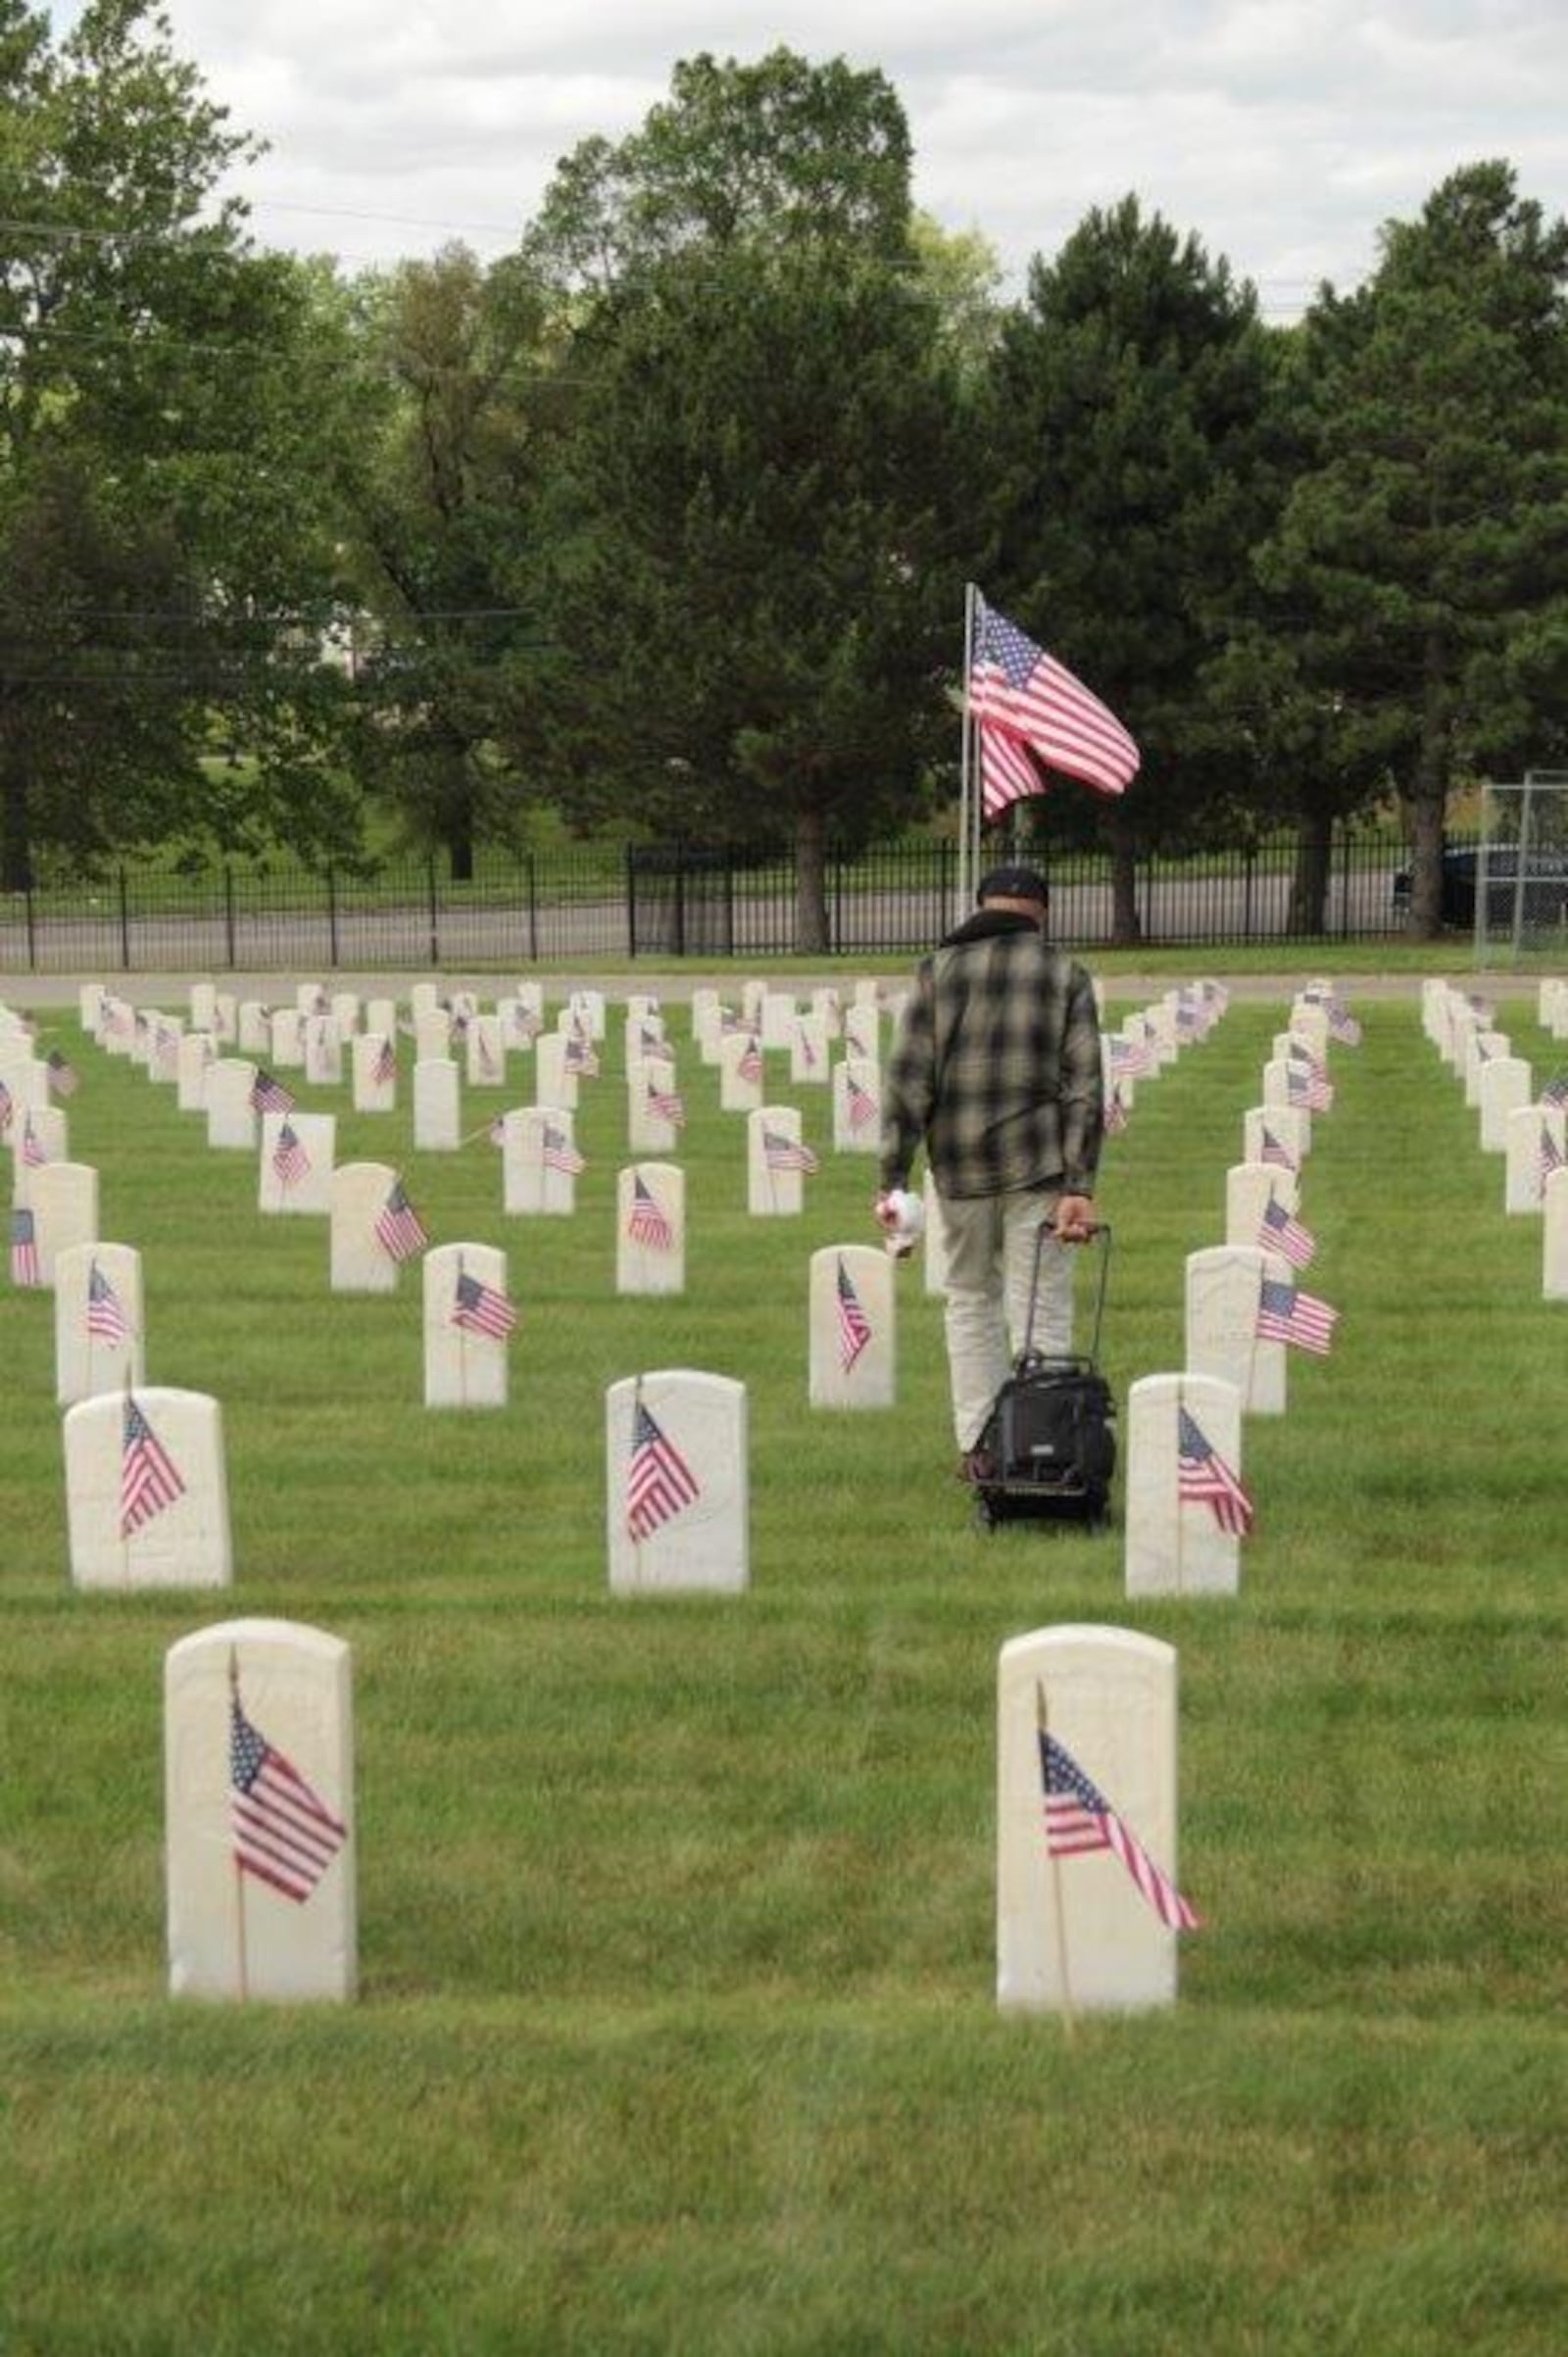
<point>811,884</point>
<point>1429,803</point>
<point>15,833</point>
<point>1125,928</point>
<point>1312,874</point>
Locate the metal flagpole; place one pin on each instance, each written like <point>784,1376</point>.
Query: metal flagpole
<point>968,831</point>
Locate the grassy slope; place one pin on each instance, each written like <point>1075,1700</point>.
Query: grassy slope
<point>677,2028</point>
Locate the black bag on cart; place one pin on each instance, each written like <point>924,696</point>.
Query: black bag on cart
<point>1050,1440</point>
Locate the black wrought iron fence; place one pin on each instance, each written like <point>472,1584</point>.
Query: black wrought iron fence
<point>667,901</point>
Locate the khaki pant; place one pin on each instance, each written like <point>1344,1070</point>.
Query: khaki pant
<point>990,1242</point>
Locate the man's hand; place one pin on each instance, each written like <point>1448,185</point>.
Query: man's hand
<point>885,1212</point>
<point>1075,1222</point>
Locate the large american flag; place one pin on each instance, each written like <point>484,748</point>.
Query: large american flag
<point>283,1832</point>
<point>1204,1477</point>
<point>1079,1819</point>
<point>25,1269</point>
<point>482,1308</point>
<point>149,1479</point>
<point>1285,1314</point>
<point>560,1155</point>
<point>1279,1232</point>
<point>645,1223</point>
<point>107,1321</point>
<point>289,1158</point>
<point>854,1327</point>
<point>1024,698</point>
<point>399,1228</point>
<point>268,1096</point>
<point>780,1153</point>
<point>63,1078</point>
<point>660,1483</point>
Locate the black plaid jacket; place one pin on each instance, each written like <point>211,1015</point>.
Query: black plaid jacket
<point>996,1066</point>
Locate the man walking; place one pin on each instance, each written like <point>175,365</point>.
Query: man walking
<point>997,1070</point>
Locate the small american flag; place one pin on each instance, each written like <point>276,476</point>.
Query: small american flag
<point>1549,1158</point>
<point>1130,1059</point>
<point>1306,1087</point>
<point>1555,1091</point>
<point>748,1063</point>
<point>660,1483</point>
<point>283,1832</point>
<point>107,1321</point>
<point>1115,1113</point>
<point>7,1109</point>
<point>33,1150</point>
<point>560,1155</point>
<point>485,1053</point>
<point>268,1096</point>
<point>861,1104</point>
<point>1343,1025</point>
<point>1285,1314</point>
<point>666,1105</point>
<point>482,1308</point>
<point>1079,1820</point>
<point>1271,1149</point>
<point>497,1131</point>
<point>854,1327</point>
<point>149,1480</point>
<point>1279,1232</point>
<point>384,1071</point>
<point>24,1268</point>
<point>399,1228</point>
<point>1204,1477</point>
<point>289,1158</point>
<point>645,1223</point>
<point>63,1078</point>
<point>580,1057</point>
<point>808,1046</point>
<point>780,1153</point>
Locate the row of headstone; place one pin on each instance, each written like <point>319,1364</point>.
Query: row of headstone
<point>1529,1129</point>
<point>260,1805</point>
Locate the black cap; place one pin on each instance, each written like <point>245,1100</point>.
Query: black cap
<point>1015,884</point>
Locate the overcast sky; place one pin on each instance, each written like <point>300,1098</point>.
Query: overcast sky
<point>1283,132</point>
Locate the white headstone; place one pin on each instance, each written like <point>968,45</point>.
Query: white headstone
<point>1277,1101</point>
<point>1285,1124</point>
<point>432,1035</point>
<point>324,1051</point>
<point>1223,1286</point>
<point>1504,1088</point>
<point>424,997</point>
<point>90,998</point>
<point>740,1072</point>
<point>587,1006</point>
<point>162,1037</point>
<point>63,1201</point>
<point>312,998</point>
<point>196,1056</point>
<point>1074,1933</point>
<point>1249,1188</point>
<point>778,1018</point>
<point>345,1012</point>
<point>856,1104</point>
<point>1482,1047</point>
<point>287,1029</point>
<point>539,1161</point>
<point>1532,1129</point>
<point>555,1079</point>
<point>776,1162</point>
<point>360,1261</point>
<point>203,1006</point>
<point>1180,1545</point>
<point>254,1034</point>
<point>373,1057</point>
<point>825,1007</point>
<point>707,1019</point>
<point>381,1015</point>
<point>487,1053</point>
<point>1554,1240</point>
<point>258,1813</point>
<point>231,1114</point>
<point>100,1336</point>
<point>863,1032</point>
<point>437,1109</point>
<point>469,1316</point>
<point>651,1228</point>
<point>146,1493</point>
<point>656,1110</point>
<point>39,1133</point>
<point>297,1155</point>
<point>676,1473</point>
<point>852,1355</point>
<point>810,1065</point>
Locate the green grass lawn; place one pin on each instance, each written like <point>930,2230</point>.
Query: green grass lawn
<point>676,2030</point>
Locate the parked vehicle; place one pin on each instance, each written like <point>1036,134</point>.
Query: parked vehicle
<point>1546,887</point>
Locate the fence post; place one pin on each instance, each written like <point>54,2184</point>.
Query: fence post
<point>331,914</point>
<point>533,909</point>
<point>33,938</point>
<point>1344,881</point>
<point>125,925</point>
<point>435,929</point>
<point>680,899</point>
<point>229,913</point>
<point>1248,871</point>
